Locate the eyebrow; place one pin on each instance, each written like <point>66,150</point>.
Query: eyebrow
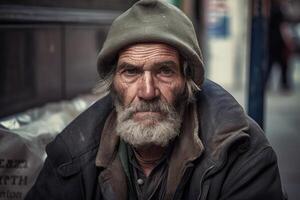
<point>169,63</point>
<point>124,65</point>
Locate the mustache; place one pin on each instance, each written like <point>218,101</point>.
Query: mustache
<point>147,106</point>
<point>155,106</point>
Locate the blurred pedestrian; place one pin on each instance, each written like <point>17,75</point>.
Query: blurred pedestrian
<point>279,48</point>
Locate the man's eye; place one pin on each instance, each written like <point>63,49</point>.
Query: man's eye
<point>131,72</point>
<point>166,71</point>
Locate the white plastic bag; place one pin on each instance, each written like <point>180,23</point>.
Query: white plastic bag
<point>23,138</point>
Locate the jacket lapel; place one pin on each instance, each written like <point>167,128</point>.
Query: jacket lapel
<point>90,181</point>
<point>187,148</point>
<point>111,179</point>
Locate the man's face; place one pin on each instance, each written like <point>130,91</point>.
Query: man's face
<point>147,72</point>
<point>148,81</point>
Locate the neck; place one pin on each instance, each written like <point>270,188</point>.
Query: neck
<point>149,157</point>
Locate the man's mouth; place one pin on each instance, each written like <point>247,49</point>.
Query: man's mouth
<point>147,115</point>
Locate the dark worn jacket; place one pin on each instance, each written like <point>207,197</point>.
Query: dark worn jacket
<point>235,163</point>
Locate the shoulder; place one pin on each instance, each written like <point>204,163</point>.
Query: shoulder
<point>224,125</point>
<point>258,148</point>
<point>81,136</point>
<point>236,148</point>
<point>255,166</point>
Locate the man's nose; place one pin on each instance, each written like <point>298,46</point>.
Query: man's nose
<point>147,88</point>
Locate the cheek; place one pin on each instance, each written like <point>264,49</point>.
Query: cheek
<point>125,92</point>
<point>170,91</point>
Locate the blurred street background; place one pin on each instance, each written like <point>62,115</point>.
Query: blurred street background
<point>228,64</point>
<point>48,52</point>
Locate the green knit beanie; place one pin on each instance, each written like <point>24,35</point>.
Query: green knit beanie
<point>152,21</point>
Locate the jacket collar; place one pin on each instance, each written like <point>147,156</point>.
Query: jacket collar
<point>223,127</point>
<point>222,121</point>
<point>109,142</point>
<point>214,124</point>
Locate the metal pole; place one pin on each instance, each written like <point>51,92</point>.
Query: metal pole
<point>258,54</point>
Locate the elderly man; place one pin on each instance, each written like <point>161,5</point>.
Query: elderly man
<point>162,132</point>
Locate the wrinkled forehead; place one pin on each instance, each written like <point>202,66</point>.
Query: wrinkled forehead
<point>149,51</point>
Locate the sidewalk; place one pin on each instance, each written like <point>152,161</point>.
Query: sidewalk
<point>282,125</point>
<point>282,128</point>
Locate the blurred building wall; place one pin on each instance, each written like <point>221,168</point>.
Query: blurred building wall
<point>48,49</point>
<point>228,53</point>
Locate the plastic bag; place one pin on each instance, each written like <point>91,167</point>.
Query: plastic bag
<point>23,138</point>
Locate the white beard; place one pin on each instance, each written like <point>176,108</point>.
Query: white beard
<point>160,132</point>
